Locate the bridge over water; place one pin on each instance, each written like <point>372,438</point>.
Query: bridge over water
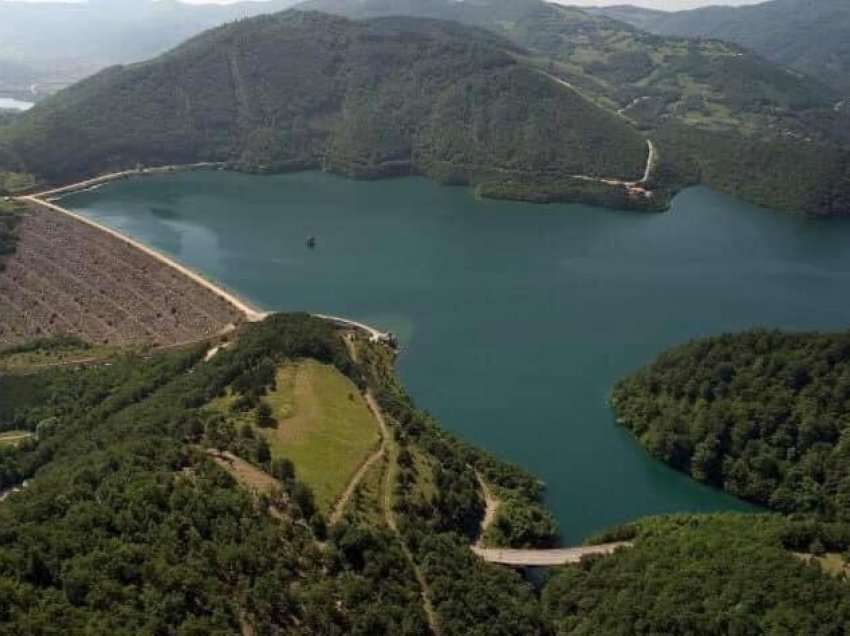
<point>543,558</point>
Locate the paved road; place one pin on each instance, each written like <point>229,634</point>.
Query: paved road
<point>115,176</point>
<point>375,335</point>
<point>650,161</point>
<point>533,558</point>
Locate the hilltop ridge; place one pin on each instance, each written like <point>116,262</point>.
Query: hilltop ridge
<point>808,35</point>
<point>369,99</point>
<point>715,109</point>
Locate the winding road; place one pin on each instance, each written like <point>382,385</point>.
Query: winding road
<point>124,174</point>
<point>375,335</point>
<point>652,154</point>
<point>531,558</point>
<point>516,558</point>
<point>344,499</point>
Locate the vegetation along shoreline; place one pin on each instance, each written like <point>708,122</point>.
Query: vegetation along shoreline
<point>177,461</point>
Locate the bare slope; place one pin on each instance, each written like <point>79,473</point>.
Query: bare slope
<point>68,278</point>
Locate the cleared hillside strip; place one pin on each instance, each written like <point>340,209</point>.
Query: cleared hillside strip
<point>73,278</point>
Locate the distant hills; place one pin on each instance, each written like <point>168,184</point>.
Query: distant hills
<point>48,45</point>
<point>720,114</point>
<point>812,36</point>
<point>365,99</point>
<point>652,79</point>
<point>521,98</point>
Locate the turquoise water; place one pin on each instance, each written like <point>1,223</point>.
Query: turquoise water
<point>515,319</point>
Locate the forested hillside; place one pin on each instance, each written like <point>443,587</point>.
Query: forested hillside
<point>9,220</point>
<point>764,415</point>
<point>390,96</point>
<point>808,35</point>
<point>364,99</point>
<point>708,92</point>
<point>131,523</point>
<point>706,83</point>
<point>45,46</point>
<point>706,576</point>
<point>134,519</point>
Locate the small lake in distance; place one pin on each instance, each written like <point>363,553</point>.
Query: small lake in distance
<point>515,319</point>
<point>9,103</point>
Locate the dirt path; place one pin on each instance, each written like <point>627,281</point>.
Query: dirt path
<point>652,154</point>
<point>389,516</point>
<point>345,498</point>
<point>388,447</point>
<point>492,504</point>
<point>215,350</point>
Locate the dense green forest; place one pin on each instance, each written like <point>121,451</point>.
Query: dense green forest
<point>9,220</point>
<point>710,83</point>
<point>128,526</point>
<point>764,415</point>
<point>704,576</point>
<point>808,177</point>
<point>365,99</point>
<point>473,104</point>
<point>718,113</point>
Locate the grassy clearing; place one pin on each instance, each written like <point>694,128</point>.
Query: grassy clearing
<point>13,438</point>
<point>282,401</point>
<point>324,427</point>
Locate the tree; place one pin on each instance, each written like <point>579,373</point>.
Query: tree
<point>263,416</point>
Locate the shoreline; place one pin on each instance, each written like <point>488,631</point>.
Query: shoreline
<point>96,182</point>
<point>250,312</point>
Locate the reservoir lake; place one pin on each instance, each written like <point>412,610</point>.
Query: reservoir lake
<point>515,320</point>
